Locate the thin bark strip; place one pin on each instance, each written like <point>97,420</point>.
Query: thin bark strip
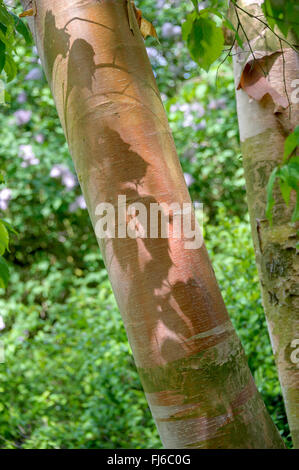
<point>190,361</point>
<point>264,123</point>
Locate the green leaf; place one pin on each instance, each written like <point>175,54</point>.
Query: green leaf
<point>270,198</point>
<point>295,216</point>
<point>7,38</point>
<point>22,28</point>
<point>268,12</point>
<point>195,3</point>
<point>229,25</point>
<point>3,37</point>
<point>9,227</point>
<point>2,55</point>
<point>212,10</point>
<point>205,42</point>
<point>7,98</point>
<point>4,273</point>
<point>291,143</point>
<point>10,68</point>
<point>5,17</point>
<point>284,14</point>
<point>290,173</point>
<point>187,25</point>
<point>285,191</point>
<point>4,238</point>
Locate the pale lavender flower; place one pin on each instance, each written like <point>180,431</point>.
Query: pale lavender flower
<point>189,179</point>
<point>155,56</point>
<point>34,74</point>
<point>33,162</point>
<point>191,112</point>
<point>198,109</point>
<point>22,116</point>
<point>5,197</point>
<point>57,171</point>
<point>22,97</point>
<point>217,104</point>
<point>170,31</point>
<point>27,154</point>
<point>165,5</point>
<point>202,125</point>
<point>175,107</point>
<point>67,178</point>
<point>188,108</point>
<point>40,138</point>
<point>79,203</point>
<point>188,120</point>
<point>184,107</point>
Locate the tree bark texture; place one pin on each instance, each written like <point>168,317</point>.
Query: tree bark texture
<point>189,358</point>
<point>266,73</point>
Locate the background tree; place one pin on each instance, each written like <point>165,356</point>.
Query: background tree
<point>265,58</point>
<point>265,77</point>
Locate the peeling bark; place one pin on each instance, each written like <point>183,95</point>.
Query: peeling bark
<point>265,120</point>
<point>191,363</point>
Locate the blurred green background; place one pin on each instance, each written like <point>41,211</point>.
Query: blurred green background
<point>69,379</point>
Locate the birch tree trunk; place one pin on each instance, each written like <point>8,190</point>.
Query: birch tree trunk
<point>190,361</point>
<point>267,114</point>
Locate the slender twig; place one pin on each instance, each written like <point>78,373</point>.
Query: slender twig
<point>236,53</point>
<point>228,54</point>
<point>279,19</point>
<point>265,24</point>
<point>248,41</point>
<point>284,78</point>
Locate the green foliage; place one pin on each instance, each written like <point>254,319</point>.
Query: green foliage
<point>3,238</point>
<point>284,14</point>
<point>204,38</point>
<point>203,120</point>
<point>291,143</point>
<point>203,28</point>
<point>4,246</point>
<point>10,27</point>
<point>288,176</point>
<point>238,278</point>
<point>69,380</point>
<point>195,3</point>
<point>4,273</point>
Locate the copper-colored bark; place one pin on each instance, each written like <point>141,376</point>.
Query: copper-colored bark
<point>190,361</point>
